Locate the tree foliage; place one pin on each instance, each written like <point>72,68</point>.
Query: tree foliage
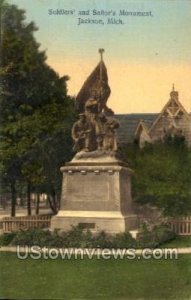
<point>162,176</point>
<point>36,112</point>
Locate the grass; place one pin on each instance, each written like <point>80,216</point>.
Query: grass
<point>178,242</point>
<point>95,279</point>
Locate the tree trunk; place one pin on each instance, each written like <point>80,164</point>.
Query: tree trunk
<point>37,203</point>
<point>52,203</point>
<point>13,199</point>
<point>29,199</point>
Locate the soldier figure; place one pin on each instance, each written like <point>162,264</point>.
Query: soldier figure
<point>95,129</point>
<point>81,134</point>
<point>109,141</point>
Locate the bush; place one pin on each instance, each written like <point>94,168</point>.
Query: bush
<point>78,238</point>
<point>163,234</point>
<point>38,237</point>
<point>6,238</point>
<point>154,237</point>
<point>124,240</point>
<point>102,240</point>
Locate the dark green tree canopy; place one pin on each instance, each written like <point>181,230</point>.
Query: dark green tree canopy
<point>36,112</point>
<point>162,176</point>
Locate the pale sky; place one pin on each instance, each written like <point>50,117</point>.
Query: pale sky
<point>144,56</point>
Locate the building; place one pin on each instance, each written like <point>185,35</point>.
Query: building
<point>172,121</point>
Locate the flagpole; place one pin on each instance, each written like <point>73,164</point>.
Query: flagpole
<point>101,51</point>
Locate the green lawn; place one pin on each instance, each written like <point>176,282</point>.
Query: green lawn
<point>95,279</point>
<point>179,242</point>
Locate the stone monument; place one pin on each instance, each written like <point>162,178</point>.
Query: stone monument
<point>96,189</point>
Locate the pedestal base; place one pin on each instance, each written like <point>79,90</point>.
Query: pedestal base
<point>96,196</point>
<point>96,221</point>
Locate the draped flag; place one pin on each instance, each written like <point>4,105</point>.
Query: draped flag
<point>96,86</point>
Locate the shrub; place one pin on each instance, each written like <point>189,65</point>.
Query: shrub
<point>163,233</point>
<point>38,237</point>
<point>154,237</point>
<point>124,240</point>
<point>6,238</point>
<point>102,240</point>
<point>79,238</point>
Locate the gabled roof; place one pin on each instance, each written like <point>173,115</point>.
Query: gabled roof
<point>174,98</point>
<point>129,123</point>
<point>142,125</point>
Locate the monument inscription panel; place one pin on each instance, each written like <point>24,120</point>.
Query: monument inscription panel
<point>87,188</point>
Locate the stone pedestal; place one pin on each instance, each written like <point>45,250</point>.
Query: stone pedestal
<point>96,195</point>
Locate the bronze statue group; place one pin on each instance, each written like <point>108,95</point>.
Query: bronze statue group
<point>95,129</point>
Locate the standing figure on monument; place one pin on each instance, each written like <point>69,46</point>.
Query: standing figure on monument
<point>91,107</point>
<point>82,132</point>
<point>92,114</point>
<point>109,126</point>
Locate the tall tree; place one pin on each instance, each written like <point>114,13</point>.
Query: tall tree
<point>36,112</point>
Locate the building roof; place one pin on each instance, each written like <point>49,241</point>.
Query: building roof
<point>129,123</point>
<point>171,108</point>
